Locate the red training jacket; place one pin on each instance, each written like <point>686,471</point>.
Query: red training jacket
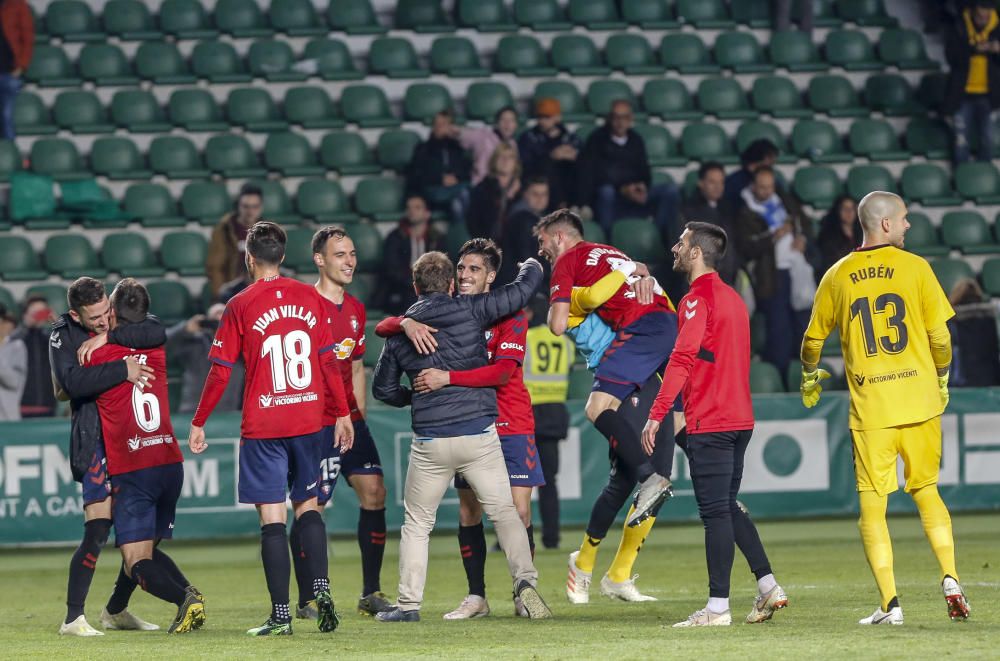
<point>19,31</point>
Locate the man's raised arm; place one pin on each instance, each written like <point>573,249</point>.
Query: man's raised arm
<point>507,300</point>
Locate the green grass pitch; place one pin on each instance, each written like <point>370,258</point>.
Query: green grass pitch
<point>819,563</point>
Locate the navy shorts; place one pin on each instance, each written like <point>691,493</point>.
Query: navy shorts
<point>524,468</point>
<point>270,466</point>
<point>636,353</point>
<point>96,486</point>
<point>145,502</point>
<point>361,459</point>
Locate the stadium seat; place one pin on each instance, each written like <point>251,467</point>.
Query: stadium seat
<point>631,54</point>
<point>186,19</point>
<point>756,129</point>
<point>541,15</point>
<point>138,111</point>
<point>979,182</point>
<point>485,15</point>
<point>367,106</point>
<point>669,99</point>
<point>195,110</point>
<point>704,14</point>
<point>922,238</point>
<point>232,156</point>
<point>311,108</point>
<point>928,184</point>
<point>876,140</point>
<point>277,205</point>
<point>71,256</point>
<point>31,117</point>
<point>928,137</point>
<point>602,93</point>
<point>741,52</point>
<point>990,276</point>
<point>753,13</point>
<point>640,239</point>
<point>19,261</point>
<point>118,159</point>
<point>649,14</point>
<point>57,158</point>
<point>851,50</point>
<point>765,378</point>
<point>456,237</point>
<point>51,68</point>
<point>686,53</point>
<point>394,57</point>
<point>105,66</point>
<point>169,300</point>
<point>152,205</point>
<point>968,232</point>
<point>950,271</point>
<point>891,94</point>
<point>184,253</point>
<point>706,142</point>
<point>422,16</point>
<point>863,179</point>
<point>205,201</point>
<point>456,57</point>
<point>129,20</point>
<point>424,100</point>
<point>53,293</point>
<point>296,18</point>
<point>81,112</point>
<point>291,155</point>
<point>868,13</point>
<point>298,250</point>
<point>904,49</point>
<point>778,97</point>
<point>796,51</point>
<point>241,19</point>
<point>273,59</point>
<point>835,96</point>
<point>595,14</point>
<point>218,62</point>
<point>819,142</point>
<point>932,90</point>
<point>379,198</point>
<point>10,159</point>
<point>521,55</point>
<point>323,201</point>
<point>161,63</point>
<point>353,17</point>
<point>581,382</point>
<point>373,345</point>
<point>817,185</point>
<point>72,20</point>
<point>576,54</point>
<point>254,109</point>
<point>347,153</point>
<point>570,101</point>
<point>724,98</point>
<point>368,244</point>
<point>395,148</point>
<point>333,60</point>
<point>660,147</point>
<point>129,254</point>
<point>485,98</point>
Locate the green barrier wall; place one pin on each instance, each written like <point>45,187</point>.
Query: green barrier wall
<point>799,464</point>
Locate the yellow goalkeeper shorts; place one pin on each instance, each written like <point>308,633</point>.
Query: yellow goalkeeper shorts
<point>876,450</point>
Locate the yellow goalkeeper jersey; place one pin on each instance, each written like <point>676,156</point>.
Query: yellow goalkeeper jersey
<point>884,301</point>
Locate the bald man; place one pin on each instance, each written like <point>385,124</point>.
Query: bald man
<point>891,314</point>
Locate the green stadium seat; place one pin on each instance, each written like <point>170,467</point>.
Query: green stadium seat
<point>968,232</point>
<point>904,49</point>
<point>291,155</point>
<point>765,378</point>
<point>824,14</point>
<point>890,94</point>
<point>640,239</point>
<point>595,14</point>
<point>395,148</point>
<point>368,244</point>
<point>363,287</point>
<point>152,205</point>
<point>521,55</point>
<point>205,201</point>
<point>72,20</point>
<point>756,129</point>
<point>485,98</point>
<point>169,300</point>
<point>129,20</point>
<point>875,139</point>
<point>928,184</point>
<point>456,237</point>
<point>347,153</point>
<point>81,112</point>
<point>241,19</point>
<point>819,142</point>
<point>53,293</point>
<point>367,106</point>
<point>669,99</point>
<point>422,16</point>
<point>576,54</point>
<point>255,110</point>
<point>7,300</point>
<point>105,66</point>
<point>353,17</point>
<point>686,53</point>
<point>990,276</point>
<point>593,232</point>
<point>273,59</point>
<point>71,256</point>
<point>835,96</point>
<point>195,110</point>
<point>232,156</point>
<point>950,271</point>
<point>923,238</point>
<point>758,331</point>
<point>932,90</point>
<point>324,201</point>
<point>724,98</point>
<point>979,182</point>
<point>10,159</point>
<point>741,52</point>
<point>373,345</point>
<point>929,137</point>
<point>394,57</point>
<point>129,254</point>
<point>379,198</point>
<point>796,51</point>
<point>57,158</point>
<point>777,96</point>
<point>161,63</point>
<point>186,19</point>
<point>602,93</point>
<point>631,54</point>
<point>868,13</point>
<point>51,68</point>
<point>541,15</point>
<point>704,14</point>
<point>277,205</point>
<point>863,179</point>
<point>707,142</point>
<point>581,382</point>
<point>424,100</point>
<point>333,60</point>
<point>19,261</point>
<point>753,13</point>
<point>456,57</point>
<point>296,18</point>
<point>298,250</point>
<point>485,15</point>
<point>118,159</point>
<point>311,108</point>
<point>649,14</point>
<point>570,101</point>
<point>851,50</point>
<point>218,62</point>
<point>31,117</point>
<point>817,185</point>
<point>660,146</point>
<point>184,253</point>
<point>138,111</point>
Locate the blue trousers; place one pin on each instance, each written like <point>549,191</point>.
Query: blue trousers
<point>974,120</point>
<point>10,85</point>
<point>661,203</point>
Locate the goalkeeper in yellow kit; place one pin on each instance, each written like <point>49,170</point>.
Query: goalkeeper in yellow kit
<point>891,314</point>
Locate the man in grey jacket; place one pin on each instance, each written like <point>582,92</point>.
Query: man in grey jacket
<point>13,367</point>
<point>454,430</point>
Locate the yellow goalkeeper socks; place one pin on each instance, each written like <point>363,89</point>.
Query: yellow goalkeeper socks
<point>587,557</point>
<point>878,545</point>
<point>937,526</point>
<point>628,549</point>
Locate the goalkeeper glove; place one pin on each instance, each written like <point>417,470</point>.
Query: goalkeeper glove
<point>810,387</point>
<point>943,389</point>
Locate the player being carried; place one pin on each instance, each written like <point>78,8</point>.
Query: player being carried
<point>275,324</point>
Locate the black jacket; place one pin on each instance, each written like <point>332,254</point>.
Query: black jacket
<point>433,159</point>
<point>84,384</point>
<point>957,52</point>
<point>460,322</point>
<point>723,214</point>
<point>603,162</point>
<point>395,293</point>
<point>38,399</point>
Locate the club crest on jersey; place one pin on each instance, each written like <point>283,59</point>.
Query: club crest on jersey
<point>489,335</point>
<point>354,323</point>
<point>265,401</point>
<point>345,348</point>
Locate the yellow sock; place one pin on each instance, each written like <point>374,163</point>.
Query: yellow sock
<point>587,558</point>
<point>937,526</point>
<point>628,549</point>
<point>878,546</point>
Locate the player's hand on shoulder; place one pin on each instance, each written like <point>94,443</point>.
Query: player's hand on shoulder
<point>644,289</point>
<point>196,440</point>
<point>343,435</point>
<point>87,349</point>
<point>421,335</point>
<point>431,379</point>
<point>649,433</point>
<point>139,375</point>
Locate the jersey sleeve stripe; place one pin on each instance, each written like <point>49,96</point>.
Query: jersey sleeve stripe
<point>561,299</point>
<point>224,363</point>
<point>327,348</point>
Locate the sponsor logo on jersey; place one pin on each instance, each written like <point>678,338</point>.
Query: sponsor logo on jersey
<point>133,443</point>
<point>554,289</point>
<point>344,348</point>
<point>137,443</point>
<point>511,345</point>
<point>217,343</point>
<point>270,400</point>
<point>55,340</point>
<point>859,379</point>
<point>265,401</point>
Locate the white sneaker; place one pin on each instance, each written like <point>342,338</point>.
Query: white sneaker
<point>519,609</point>
<point>765,605</point>
<point>626,590</point>
<point>126,621</point>
<point>706,618</point>
<point>954,595</point>
<point>577,582</point>
<point>79,627</point>
<point>894,616</point>
<point>472,606</point>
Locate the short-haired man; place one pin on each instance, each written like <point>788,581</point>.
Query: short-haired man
<point>761,153</point>
<point>414,236</point>
<point>708,204</point>
<point>516,241</point>
<point>454,427</point>
<point>227,247</point>
<point>892,316</point>
<point>710,365</point>
<point>275,325</point>
<point>439,170</point>
<point>549,149</point>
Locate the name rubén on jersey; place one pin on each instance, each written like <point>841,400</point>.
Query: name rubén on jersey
<point>872,273</point>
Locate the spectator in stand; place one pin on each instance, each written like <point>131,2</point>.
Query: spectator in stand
<point>973,90</point>
<point>615,178</point>
<point>774,236</point>
<point>227,248</point>
<point>38,401</point>
<point>403,246</point>
<point>482,141</point>
<point>13,367</point>
<point>494,195</point>
<point>549,149</point>
<point>975,352</point>
<point>517,241</point>
<point>439,170</point>
<point>758,154</point>
<point>783,15</point>
<point>188,343</point>
<point>839,232</point>
<point>708,205</point>
<point>17,43</point>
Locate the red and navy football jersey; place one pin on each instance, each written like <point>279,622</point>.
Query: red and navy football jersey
<point>278,325</point>
<point>506,341</point>
<point>347,327</point>
<point>135,422</point>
